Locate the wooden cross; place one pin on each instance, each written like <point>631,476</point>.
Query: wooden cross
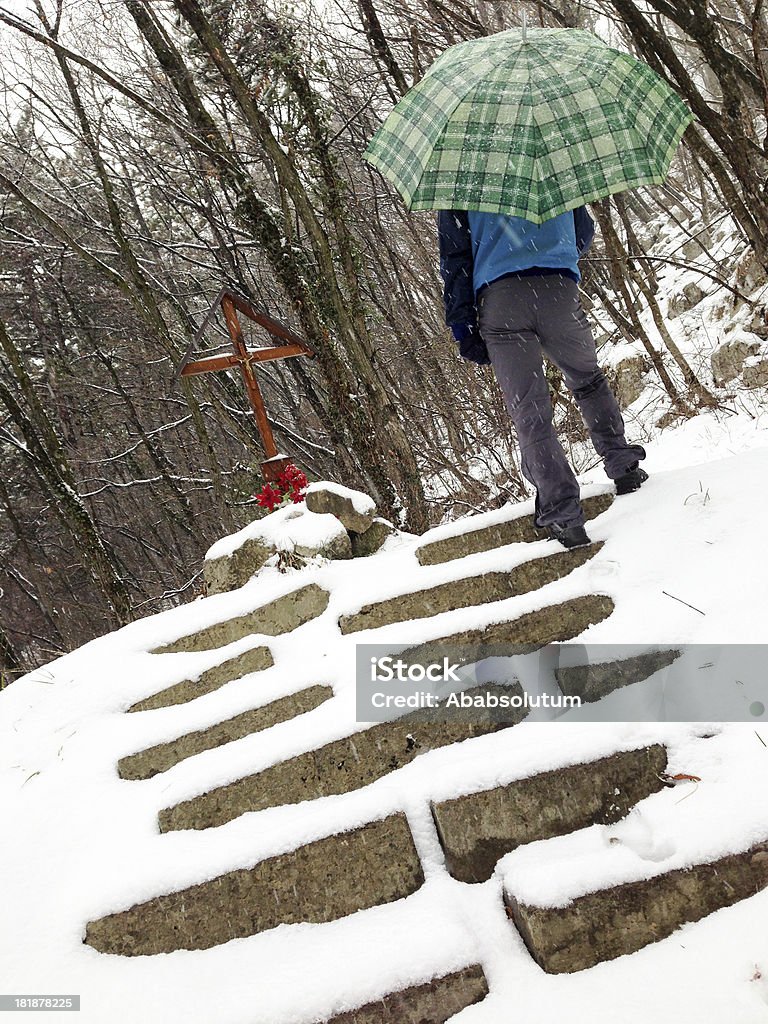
<point>245,358</point>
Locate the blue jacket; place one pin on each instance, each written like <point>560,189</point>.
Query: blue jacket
<point>477,248</point>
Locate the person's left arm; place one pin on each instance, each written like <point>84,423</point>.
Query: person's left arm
<point>456,270</point>
<point>585,229</point>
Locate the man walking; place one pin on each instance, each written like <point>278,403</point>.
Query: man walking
<point>511,294</point>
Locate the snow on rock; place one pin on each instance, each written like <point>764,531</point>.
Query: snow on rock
<point>282,530</point>
<point>354,508</point>
<point>80,843</point>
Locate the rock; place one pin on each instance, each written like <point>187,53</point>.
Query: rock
<point>338,767</point>
<point>335,545</point>
<point>148,763</point>
<point>256,659</point>
<point>613,922</point>
<point>432,1003</point>
<point>592,682</point>
<point>511,531</point>
<point>353,508</point>
<point>628,379</point>
<point>693,247</point>
<point>322,881</point>
<point>727,361</point>
<point>682,301</point>
<point>755,374</point>
<point>468,592</point>
<point>476,830</point>
<point>279,616</point>
<point>233,571</point>
<point>368,543</point>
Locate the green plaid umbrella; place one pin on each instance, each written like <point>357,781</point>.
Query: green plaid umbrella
<point>529,126</point>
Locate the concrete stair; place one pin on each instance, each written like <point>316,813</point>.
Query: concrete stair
<point>147,763</point>
<point>511,531</point>
<point>319,882</point>
<point>554,623</point>
<point>615,921</point>
<point>431,1003</point>
<point>338,767</point>
<point>468,592</point>
<point>281,615</point>
<point>595,681</point>
<point>378,863</point>
<point>256,659</point>
<point>476,830</point>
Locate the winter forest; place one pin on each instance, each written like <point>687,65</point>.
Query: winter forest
<point>154,152</point>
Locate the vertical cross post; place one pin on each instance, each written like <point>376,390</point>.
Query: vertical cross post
<point>245,358</point>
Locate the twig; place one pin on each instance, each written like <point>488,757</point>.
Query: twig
<point>683,602</point>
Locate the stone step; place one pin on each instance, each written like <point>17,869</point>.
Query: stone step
<point>434,1002</point>
<point>512,531</point>
<point>147,763</point>
<point>339,767</point>
<point>274,618</point>
<point>615,921</point>
<point>319,882</point>
<point>594,681</point>
<point>256,659</point>
<point>554,623</point>
<point>467,592</point>
<point>476,830</point>
<point>356,761</point>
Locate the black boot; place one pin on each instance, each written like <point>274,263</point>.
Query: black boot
<point>631,480</point>
<point>569,536</point>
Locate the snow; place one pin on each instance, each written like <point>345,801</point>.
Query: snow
<point>362,503</point>
<point>284,529</point>
<point>686,563</point>
<point>667,831</point>
<point>84,843</point>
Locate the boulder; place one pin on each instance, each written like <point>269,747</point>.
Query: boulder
<point>352,508</point>
<point>755,373</point>
<point>368,543</point>
<point>682,301</point>
<point>335,544</point>
<point>233,571</point>
<point>629,379</point>
<point>727,361</point>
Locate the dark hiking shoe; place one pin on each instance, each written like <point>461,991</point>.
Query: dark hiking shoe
<point>569,536</point>
<point>631,480</point>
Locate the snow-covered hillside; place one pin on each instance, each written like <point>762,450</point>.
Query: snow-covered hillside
<point>685,562</point>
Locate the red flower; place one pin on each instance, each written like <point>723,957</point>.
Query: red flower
<point>289,487</point>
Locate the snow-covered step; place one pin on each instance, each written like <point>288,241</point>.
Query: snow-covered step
<point>255,659</point>
<point>477,829</point>
<point>147,763</point>
<point>511,531</point>
<point>338,767</point>
<point>571,935</point>
<point>434,1002</point>
<point>319,882</point>
<point>467,592</point>
<point>355,761</point>
<point>281,615</point>
<point>594,681</point>
<point>552,623</point>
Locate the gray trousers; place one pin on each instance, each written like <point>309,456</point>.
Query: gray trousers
<point>519,319</point>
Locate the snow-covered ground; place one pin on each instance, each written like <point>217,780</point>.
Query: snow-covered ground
<point>78,843</point>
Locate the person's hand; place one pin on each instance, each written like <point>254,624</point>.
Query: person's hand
<point>471,345</point>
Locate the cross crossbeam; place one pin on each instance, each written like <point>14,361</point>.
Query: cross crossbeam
<point>245,359</point>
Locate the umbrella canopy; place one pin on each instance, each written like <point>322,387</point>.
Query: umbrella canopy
<point>530,124</point>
